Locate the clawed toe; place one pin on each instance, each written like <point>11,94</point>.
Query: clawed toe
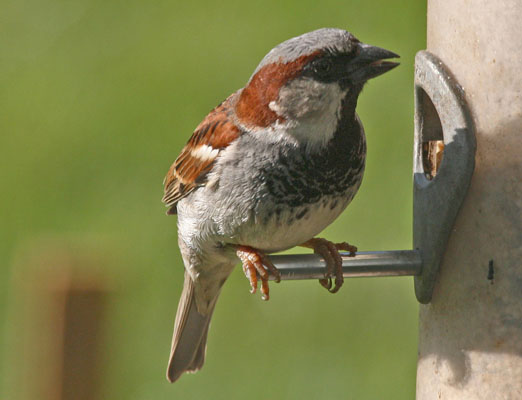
<point>334,261</point>
<point>346,247</point>
<point>254,263</point>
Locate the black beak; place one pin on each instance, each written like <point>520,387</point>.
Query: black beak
<point>370,63</point>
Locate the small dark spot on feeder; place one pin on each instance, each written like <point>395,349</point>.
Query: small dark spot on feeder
<point>491,271</point>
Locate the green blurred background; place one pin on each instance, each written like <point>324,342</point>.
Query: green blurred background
<point>96,100</point>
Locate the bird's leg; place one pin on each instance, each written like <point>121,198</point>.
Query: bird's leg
<point>334,262</point>
<point>256,262</point>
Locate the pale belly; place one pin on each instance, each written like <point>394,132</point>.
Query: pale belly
<point>292,228</point>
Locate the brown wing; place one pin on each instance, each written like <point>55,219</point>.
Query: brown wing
<point>211,136</point>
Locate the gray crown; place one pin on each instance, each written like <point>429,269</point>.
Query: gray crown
<point>331,38</point>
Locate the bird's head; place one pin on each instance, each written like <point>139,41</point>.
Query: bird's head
<point>302,83</point>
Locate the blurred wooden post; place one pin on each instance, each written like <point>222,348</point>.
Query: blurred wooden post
<point>57,319</point>
<point>84,316</point>
<point>470,344</point>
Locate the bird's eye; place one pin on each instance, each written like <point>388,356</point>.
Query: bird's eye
<point>322,67</point>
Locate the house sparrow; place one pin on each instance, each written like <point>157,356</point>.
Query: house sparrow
<point>268,169</point>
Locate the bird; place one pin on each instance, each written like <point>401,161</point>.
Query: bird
<point>267,170</point>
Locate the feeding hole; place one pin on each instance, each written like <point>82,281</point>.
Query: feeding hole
<point>432,136</point>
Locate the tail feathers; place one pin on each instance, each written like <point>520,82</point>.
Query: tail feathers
<point>190,335</point>
<point>199,359</point>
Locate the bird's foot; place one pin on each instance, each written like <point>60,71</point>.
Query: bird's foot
<point>334,262</point>
<point>256,262</point>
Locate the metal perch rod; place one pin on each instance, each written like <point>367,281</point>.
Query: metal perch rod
<point>364,264</point>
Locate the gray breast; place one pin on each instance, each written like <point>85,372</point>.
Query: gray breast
<point>250,198</point>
